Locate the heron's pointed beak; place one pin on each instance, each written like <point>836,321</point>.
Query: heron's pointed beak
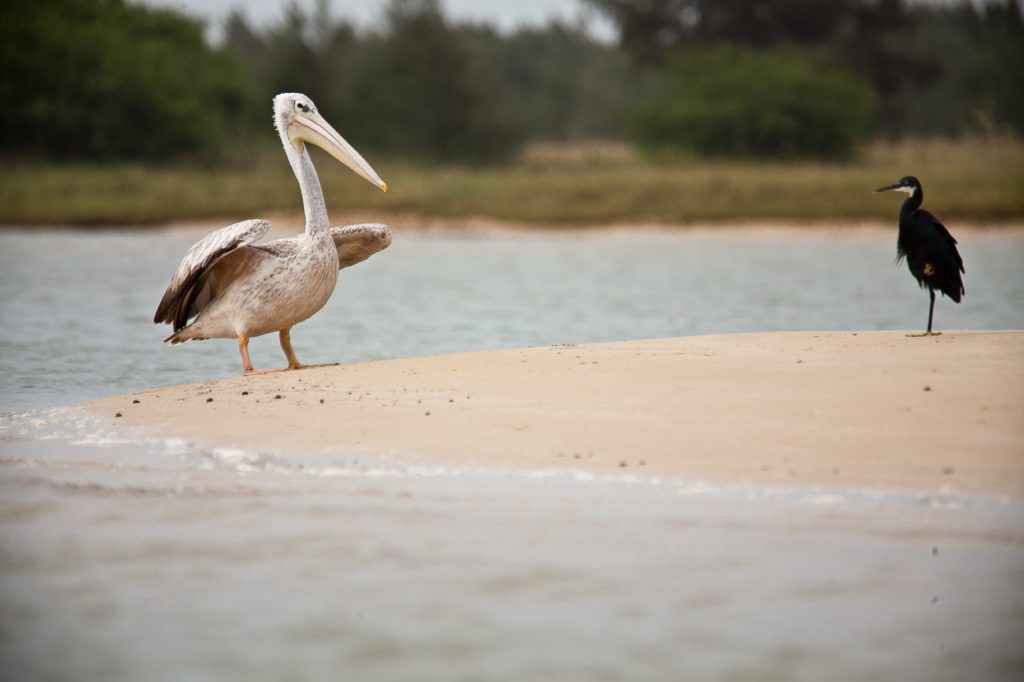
<point>887,188</point>
<point>312,128</point>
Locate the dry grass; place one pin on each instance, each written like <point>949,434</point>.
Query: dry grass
<point>979,180</point>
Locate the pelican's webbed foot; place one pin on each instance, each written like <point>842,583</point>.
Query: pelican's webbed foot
<point>302,366</point>
<point>289,353</point>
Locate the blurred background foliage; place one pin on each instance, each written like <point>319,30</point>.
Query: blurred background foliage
<point>110,80</point>
<point>101,79</point>
<point>779,103</point>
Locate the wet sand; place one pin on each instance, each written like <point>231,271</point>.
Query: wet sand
<point>943,414</point>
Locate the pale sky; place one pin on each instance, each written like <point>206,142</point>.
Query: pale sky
<point>504,14</point>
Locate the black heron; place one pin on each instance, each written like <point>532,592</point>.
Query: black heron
<point>928,246</point>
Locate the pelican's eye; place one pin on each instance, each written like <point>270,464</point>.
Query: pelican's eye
<point>304,108</point>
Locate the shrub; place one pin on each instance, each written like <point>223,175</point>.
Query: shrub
<point>740,103</point>
<point>104,79</point>
<point>411,93</point>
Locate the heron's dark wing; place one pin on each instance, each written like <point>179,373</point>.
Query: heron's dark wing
<point>947,239</point>
<point>938,252</point>
<point>186,283</point>
<point>356,243</point>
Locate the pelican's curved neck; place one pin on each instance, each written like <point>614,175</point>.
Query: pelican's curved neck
<point>309,185</point>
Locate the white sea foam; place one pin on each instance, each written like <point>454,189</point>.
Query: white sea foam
<point>697,487</point>
<point>825,499</point>
<point>81,429</point>
<point>176,446</point>
<point>102,439</point>
<point>232,455</point>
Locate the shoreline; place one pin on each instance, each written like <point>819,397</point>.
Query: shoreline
<point>290,223</point>
<point>796,409</point>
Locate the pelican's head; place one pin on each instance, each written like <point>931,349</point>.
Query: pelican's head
<point>908,184</point>
<point>298,122</point>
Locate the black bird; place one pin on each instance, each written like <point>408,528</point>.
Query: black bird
<point>928,246</point>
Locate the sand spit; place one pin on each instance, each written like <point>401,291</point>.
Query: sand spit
<point>844,409</point>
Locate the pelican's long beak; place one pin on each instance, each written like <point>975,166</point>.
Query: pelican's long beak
<point>887,188</point>
<point>312,128</point>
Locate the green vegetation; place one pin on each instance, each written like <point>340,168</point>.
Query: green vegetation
<point>414,94</point>
<point>765,104</point>
<point>549,184</point>
<point>936,67</point>
<point>101,79</point>
<point>118,113</point>
<point>113,80</point>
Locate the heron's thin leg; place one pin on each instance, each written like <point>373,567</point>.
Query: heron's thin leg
<point>243,348</point>
<point>286,346</point>
<point>931,309</point>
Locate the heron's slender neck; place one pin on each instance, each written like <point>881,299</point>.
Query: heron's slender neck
<point>309,184</point>
<point>913,202</point>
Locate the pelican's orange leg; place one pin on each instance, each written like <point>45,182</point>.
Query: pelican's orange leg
<point>243,349</point>
<point>286,346</point>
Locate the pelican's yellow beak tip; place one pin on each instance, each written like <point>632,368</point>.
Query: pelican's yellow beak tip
<point>383,187</point>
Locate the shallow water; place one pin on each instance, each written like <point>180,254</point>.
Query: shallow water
<point>157,560</point>
<point>76,306</point>
<point>126,558</point>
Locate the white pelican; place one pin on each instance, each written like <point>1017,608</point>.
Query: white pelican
<point>234,289</point>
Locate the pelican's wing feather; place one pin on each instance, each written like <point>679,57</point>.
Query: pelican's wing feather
<point>180,296</point>
<point>356,243</point>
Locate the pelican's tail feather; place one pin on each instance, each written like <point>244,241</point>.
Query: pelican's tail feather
<point>189,333</point>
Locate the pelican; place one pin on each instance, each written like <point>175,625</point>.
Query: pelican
<point>230,287</point>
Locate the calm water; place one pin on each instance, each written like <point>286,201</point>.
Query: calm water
<point>76,307</point>
<point>128,558</point>
<point>159,561</point>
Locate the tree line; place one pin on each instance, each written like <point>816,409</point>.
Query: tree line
<point>812,77</point>
<point>107,79</point>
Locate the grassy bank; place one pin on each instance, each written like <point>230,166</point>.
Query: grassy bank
<point>977,180</point>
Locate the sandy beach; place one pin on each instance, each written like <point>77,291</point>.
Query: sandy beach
<point>842,409</point>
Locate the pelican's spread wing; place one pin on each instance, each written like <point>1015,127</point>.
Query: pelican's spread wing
<point>178,302</point>
<point>356,243</point>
